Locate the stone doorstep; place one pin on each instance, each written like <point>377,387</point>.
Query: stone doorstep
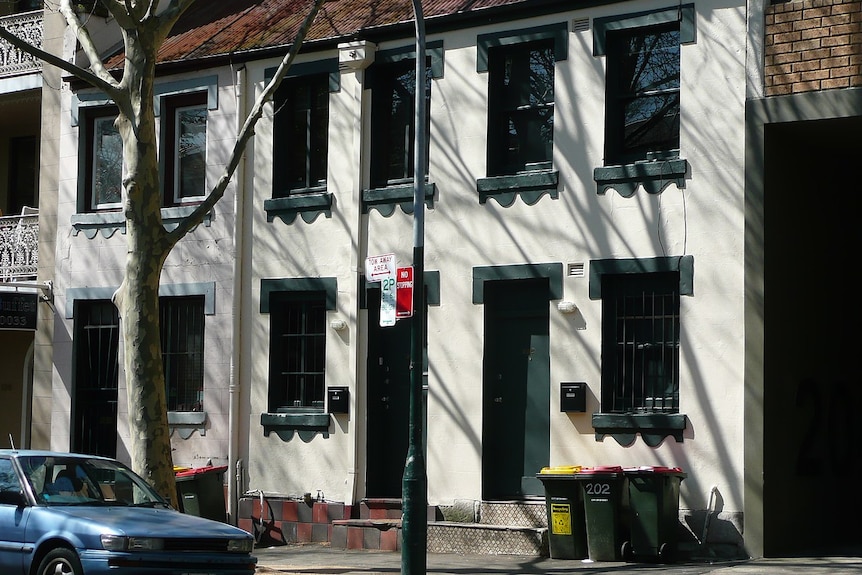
<point>443,537</point>
<point>380,508</point>
<point>375,534</point>
<point>483,538</point>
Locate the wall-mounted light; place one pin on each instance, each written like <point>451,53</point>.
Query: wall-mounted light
<point>567,307</point>
<point>338,324</point>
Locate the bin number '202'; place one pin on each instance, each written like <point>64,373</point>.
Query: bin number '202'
<point>598,488</point>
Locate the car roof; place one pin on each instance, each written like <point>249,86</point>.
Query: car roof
<point>46,453</point>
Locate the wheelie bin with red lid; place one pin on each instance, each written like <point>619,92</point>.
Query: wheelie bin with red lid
<point>654,511</point>
<point>200,491</point>
<point>605,501</point>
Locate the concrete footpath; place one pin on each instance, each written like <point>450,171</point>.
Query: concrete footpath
<point>320,559</point>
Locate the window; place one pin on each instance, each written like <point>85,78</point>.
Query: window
<point>521,107</point>
<point>184,148</point>
<point>182,336</point>
<point>643,95</point>
<point>8,477</point>
<point>301,134</point>
<point>393,134</point>
<point>640,342</point>
<point>105,160</point>
<point>297,350</point>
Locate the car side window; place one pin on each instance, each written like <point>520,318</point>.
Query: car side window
<point>8,477</point>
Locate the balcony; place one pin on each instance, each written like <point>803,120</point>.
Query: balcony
<point>27,26</point>
<point>19,242</point>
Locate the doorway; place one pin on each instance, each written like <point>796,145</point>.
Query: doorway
<point>388,402</point>
<point>94,401</point>
<point>811,337</point>
<point>516,388</point>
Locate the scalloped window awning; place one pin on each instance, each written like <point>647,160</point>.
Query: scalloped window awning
<point>308,206</point>
<point>385,200</point>
<point>286,424</point>
<point>185,422</point>
<point>109,223</point>
<point>530,186</point>
<point>653,176</point>
<point>653,427</point>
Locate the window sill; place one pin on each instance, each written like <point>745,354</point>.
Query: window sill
<point>384,200</point>
<point>185,422</point>
<point>654,176</point>
<point>109,223</point>
<point>653,427</point>
<point>306,205</point>
<point>530,186</point>
<point>285,424</point>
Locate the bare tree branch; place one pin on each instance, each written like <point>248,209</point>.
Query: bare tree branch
<point>86,42</point>
<point>110,88</point>
<point>247,130</point>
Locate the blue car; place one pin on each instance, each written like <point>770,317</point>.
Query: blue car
<point>76,514</point>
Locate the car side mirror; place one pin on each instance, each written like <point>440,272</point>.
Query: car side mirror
<point>13,498</point>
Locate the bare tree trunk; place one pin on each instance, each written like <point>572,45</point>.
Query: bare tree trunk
<point>138,297</point>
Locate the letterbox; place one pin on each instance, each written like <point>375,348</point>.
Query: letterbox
<point>573,396</point>
<point>337,399</point>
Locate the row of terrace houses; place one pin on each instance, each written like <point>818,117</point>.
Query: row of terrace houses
<point>613,189</point>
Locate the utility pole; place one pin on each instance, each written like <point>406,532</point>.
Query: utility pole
<point>415,482</point>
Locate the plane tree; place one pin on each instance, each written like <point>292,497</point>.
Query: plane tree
<point>144,26</point>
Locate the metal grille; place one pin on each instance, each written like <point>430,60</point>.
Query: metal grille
<point>182,325</point>
<point>643,345</point>
<point>298,352</point>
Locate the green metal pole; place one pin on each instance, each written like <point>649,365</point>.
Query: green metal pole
<point>415,482</point>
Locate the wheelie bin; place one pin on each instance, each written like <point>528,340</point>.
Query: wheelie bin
<point>200,491</point>
<point>654,511</point>
<point>605,492</point>
<point>564,506</point>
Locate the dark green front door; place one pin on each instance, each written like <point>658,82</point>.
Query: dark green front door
<point>516,388</point>
<point>388,401</point>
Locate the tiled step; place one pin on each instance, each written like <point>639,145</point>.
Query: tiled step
<point>529,513</point>
<point>494,528</point>
<point>484,539</point>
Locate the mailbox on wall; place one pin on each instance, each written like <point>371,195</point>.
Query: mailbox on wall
<point>573,396</point>
<point>337,400</point>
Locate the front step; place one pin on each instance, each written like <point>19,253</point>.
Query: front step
<point>498,528</point>
<point>483,539</point>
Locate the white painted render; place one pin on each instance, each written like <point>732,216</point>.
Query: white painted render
<point>703,220</point>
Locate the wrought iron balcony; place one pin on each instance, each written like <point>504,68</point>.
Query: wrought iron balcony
<point>27,26</point>
<point>19,243</point>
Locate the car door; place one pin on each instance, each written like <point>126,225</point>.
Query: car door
<point>13,520</point>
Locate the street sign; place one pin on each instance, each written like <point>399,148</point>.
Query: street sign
<point>379,267</point>
<point>382,269</point>
<point>404,292</point>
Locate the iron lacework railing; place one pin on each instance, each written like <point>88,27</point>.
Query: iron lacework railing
<point>27,26</point>
<point>19,243</point>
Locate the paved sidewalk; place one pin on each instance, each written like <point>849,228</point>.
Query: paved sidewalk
<point>319,559</point>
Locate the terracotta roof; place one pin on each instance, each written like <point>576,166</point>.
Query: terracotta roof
<point>215,28</point>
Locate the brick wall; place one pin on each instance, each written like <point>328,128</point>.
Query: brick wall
<point>812,45</point>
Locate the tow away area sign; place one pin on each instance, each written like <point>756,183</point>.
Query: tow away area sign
<point>379,267</point>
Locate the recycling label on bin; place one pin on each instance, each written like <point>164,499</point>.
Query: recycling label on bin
<point>561,519</point>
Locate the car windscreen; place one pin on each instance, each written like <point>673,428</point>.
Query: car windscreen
<point>60,480</point>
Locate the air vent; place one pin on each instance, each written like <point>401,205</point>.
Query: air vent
<point>576,270</point>
<point>580,24</point>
